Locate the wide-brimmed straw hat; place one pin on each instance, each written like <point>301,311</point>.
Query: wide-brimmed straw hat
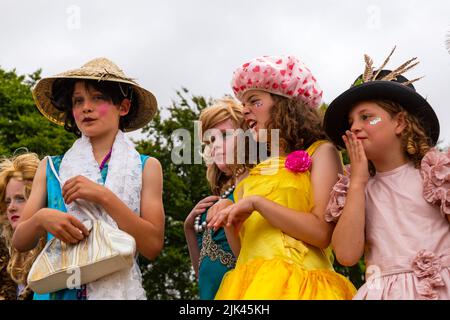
<point>381,84</point>
<point>100,69</point>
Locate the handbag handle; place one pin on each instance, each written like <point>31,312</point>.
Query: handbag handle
<point>82,208</point>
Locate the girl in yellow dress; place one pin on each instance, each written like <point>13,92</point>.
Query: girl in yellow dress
<point>277,227</point>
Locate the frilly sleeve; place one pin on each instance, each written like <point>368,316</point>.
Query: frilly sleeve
<point>435,172</point>
<point>337,197</point>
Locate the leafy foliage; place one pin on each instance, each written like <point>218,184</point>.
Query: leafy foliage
<point>21,124</point>
<point>171,276</point>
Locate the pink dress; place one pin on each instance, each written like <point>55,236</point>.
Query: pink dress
<point>407,233</point>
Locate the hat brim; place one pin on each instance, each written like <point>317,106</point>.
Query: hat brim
<point>146,101</point>
<point>336,116</point>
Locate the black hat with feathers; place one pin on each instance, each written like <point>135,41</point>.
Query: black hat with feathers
<point>381,84</point>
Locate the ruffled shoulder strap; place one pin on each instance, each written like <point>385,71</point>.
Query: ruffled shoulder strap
<point>435,172</point>
<point>338,196</point>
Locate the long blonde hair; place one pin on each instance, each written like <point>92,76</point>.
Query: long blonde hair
<point>222,110</point>
<point>23,168</point>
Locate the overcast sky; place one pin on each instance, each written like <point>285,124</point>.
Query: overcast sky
<point>198,43</point>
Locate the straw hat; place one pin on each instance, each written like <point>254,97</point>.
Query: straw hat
<point>100,69</point>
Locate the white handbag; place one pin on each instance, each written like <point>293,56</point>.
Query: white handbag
<point>62,265</point>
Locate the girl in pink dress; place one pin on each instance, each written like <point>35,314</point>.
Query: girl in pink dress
<point>394,206</point>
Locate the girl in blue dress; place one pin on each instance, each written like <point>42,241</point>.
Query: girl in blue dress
<point>97,102</point>
<point>210,252</point>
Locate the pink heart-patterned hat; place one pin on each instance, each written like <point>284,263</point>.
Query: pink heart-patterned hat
<point>282,75</point>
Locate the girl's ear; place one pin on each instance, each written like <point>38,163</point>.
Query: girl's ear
<point>401,122</point>
<point>124,107</point>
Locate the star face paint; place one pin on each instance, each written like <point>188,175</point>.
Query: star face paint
<point>257,110</point>
<point>258,104</point>
<point>375,121</point>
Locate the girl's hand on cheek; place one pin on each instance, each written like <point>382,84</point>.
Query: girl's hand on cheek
<point>359,163</point>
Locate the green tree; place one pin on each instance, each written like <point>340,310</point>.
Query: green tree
<point>21,124</point>
<point>171,276</point>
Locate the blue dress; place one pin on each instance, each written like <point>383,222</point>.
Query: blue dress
<point>55,200</point>
<point>216,258</point>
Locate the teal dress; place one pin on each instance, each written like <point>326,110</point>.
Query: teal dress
<point>55,200</point>
<point>216,258</point>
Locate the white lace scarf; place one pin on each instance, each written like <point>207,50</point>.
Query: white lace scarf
<point>124,178</point>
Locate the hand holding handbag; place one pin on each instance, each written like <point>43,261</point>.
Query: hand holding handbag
<point>62,265</point>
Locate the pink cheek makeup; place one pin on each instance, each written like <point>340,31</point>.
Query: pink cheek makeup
<point>76,114</point>
<point>103,109</point>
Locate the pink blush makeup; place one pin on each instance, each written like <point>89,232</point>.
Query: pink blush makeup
<point>76,113</point>
<point>103,109</point>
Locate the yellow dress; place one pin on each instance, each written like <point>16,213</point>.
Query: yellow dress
<point>271,264</point>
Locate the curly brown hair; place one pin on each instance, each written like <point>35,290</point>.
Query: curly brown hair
<point>299,125</point>
<point>415,142</point>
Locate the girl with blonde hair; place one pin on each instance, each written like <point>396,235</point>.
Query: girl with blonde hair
<point>210,251</point>
<point>16,178</point>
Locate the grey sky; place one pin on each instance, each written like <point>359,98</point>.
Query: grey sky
<point>198,43</point>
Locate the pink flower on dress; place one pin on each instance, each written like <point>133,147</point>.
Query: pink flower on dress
<point>338,196</point>
<point>298,161</point>
<point>435,171</point>
<point>426,266</point>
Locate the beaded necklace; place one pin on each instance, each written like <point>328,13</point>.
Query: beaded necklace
<point>199,227</point>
